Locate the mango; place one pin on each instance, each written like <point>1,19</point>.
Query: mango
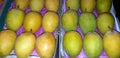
<point>72,43</point>
<point>36,5</point>
<point>93,45</point>
<point>50,21</point>
<point>52,5</point>
<point>72,4</point>
<point>87,22</point>
<point>103,6</point>
<point>32,21</point>
<point>70,20</point>
<point>87,5</point>
<point>21,4</point>
<point>25,44</point>
<point>111,42</point>
<point>14,19</point>
<point>45,45</point>
<point>7,42</point>
<point>104,22</point>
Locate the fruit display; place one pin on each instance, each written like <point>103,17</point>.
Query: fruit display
<point>35,26</point>
<point>95,19</point>
<point>59,29</point>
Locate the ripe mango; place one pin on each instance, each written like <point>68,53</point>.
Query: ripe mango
<point>52,5</point>
<point>25,44</point>
<point>111,42</point>
<point>32,21</point>
<point>50,21</point>
<point>7,42</point>
<point>45,45</point>
<point>21,4</point>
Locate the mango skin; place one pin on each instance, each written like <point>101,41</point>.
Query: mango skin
<point>45,45</point>
<point>25,44</point>
<point>70,20</point>
<point>14,19</point>
<point>87,5</point>
<point>21,4</point>
<point>36,5</point>
<point>103,6</point>
<point>72,43</point>
<point>50,21</point>
<point>87,22</point>
<point>111,42</point>
<point>7,42</point>
<point>52,5</point>
<point>104,22</point>
<point>74,5</point>
<point>93,45</point>
<point>32,22</point>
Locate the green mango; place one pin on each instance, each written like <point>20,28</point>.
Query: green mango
<point>104,22</point>
<point>36,5</point>
<point>70,20</point>
<point>93,45</point>
<point>14,19</point>
<point>103,5</point>
<point>87,5</point>
<point>72,43</point>
<point>87,22</point>
<point>72,4</point>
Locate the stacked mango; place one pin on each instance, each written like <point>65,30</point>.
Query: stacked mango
<point>30,29</point>
<point>88,29</point>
